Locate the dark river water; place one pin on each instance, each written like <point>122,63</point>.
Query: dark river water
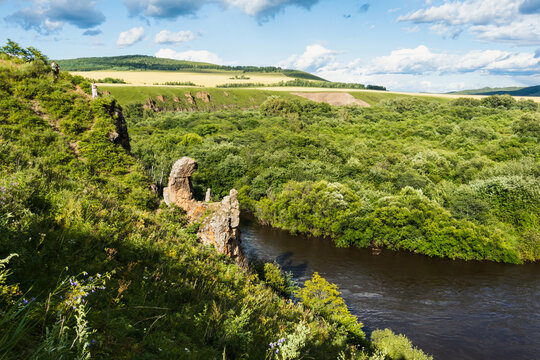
<point>449,309</point>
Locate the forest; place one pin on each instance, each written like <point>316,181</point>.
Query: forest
<point>458,180</point>
<point>93,265</point>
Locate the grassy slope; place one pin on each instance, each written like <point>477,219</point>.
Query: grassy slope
<point>241,98</point>
<point>78,209</point>
<point>238,98</point>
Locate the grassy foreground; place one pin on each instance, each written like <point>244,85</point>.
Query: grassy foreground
<point>91,266</point>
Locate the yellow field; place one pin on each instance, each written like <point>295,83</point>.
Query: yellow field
<point>201,79</point>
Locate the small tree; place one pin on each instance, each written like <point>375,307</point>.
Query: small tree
<point>28,55</point>
<point>324,299</point>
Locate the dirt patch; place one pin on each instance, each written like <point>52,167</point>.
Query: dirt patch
<point>336,98</point>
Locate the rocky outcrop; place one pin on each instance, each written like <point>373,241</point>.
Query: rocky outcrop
<point>204,95</point>
<point>150,104</point>
<point>189,98</point>
<point>219,220</point>
<point>161,98</point>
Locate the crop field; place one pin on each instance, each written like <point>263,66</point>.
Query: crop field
<point>206,79</point>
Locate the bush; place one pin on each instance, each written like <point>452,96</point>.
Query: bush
<point>323,298</point>
<point>528,125</point>
<point>397,347</point>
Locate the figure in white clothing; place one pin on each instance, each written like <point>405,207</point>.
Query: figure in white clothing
<point>94,90</point>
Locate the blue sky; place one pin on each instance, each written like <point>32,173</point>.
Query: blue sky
<point>431,46</point>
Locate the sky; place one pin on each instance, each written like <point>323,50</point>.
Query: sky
<point>416,45</point>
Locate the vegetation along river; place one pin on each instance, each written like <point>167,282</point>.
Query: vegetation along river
<point>450,309</point>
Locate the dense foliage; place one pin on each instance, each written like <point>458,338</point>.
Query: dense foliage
<point>306,83</point>
<point>457,180</point>
<point>98,270</point>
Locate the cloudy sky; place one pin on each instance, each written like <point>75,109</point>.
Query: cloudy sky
<point>416,45</point>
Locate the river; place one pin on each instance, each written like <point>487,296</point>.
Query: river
<point>449,309</point>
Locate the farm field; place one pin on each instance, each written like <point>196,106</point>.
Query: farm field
<point>206,79</point>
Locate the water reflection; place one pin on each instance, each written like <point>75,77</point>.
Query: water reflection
<point>451,309</point>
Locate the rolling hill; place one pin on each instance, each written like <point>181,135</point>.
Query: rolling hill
<point>514,91</point>
<point>143,62</point>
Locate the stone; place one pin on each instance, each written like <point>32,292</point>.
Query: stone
<point>161,98</point>
<point>150,104</point>
<point>204,95</point>
<point>190,98</point>
<point>219,220</point>
<point>208,196</point>
<point>176,99</point>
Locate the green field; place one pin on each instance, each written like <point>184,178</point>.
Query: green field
<point>219,98</point>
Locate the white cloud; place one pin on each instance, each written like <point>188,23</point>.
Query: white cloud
<point>422,60</point>
<point>167,37</point>
<point>46,16</point>
<point>262,9</point>
<point>190,55</point>
<point>421,69</point>
<point>490,20</point>
<point>130,37</point>
<point>314,57</point>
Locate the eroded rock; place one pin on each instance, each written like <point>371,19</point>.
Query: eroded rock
<point>219,220</point>
<point>190,98</point>
<point>204,95</point>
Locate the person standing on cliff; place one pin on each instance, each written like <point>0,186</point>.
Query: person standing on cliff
<point>94,90</point>
<point>55,69</point>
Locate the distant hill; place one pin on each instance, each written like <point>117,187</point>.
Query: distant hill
<point>514,91</point>
<point>143,62</point>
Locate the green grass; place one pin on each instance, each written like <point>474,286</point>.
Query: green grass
<point>239,98</point>
<point>374,98</point>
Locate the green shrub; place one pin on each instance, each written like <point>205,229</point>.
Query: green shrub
<point>323,298</point>
<point>397,347</point>
<point>528,125</point>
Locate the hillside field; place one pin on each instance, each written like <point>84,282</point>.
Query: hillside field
<point>206,79</point>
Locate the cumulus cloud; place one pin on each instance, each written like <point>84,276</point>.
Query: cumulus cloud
<point>421,60</point>
<point>92,32</point>
<point>530,7</point>
<point>190,55</point>
<point>130,37</point>
<point>490,20</point>
<point>48,16</point>
<point>406,69</point>
<point>167,37</point>
<point>314,57</point>
<point>171,9</point>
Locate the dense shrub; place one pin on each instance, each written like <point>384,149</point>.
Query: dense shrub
<point>396,346</point>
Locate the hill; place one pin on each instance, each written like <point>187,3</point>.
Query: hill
<point>513,91</point>
<point>91,265</point>
<point>148,63</point>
